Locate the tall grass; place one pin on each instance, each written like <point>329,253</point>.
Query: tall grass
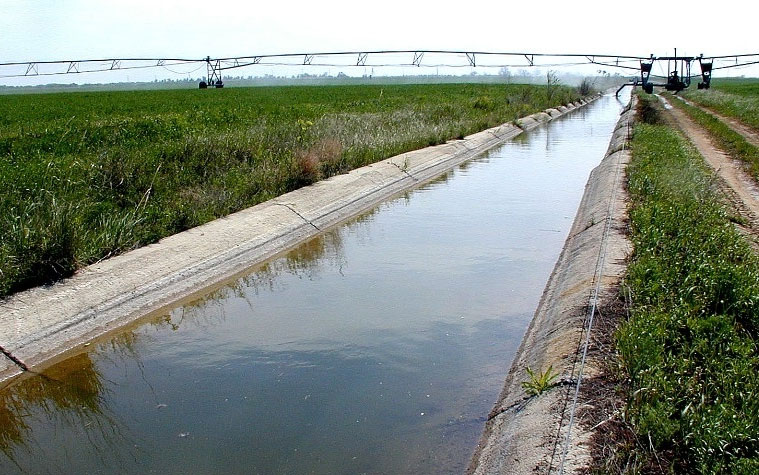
<point>587,86</point>
<point>689,347</point>
<point>84,176</point>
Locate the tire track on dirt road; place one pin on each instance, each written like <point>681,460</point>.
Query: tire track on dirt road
<point>750,134</point>
<point>740,189</point>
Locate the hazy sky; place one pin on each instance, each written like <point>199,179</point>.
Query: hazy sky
<point>36,30</point>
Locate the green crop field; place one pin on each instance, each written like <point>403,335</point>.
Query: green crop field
<point>745,87</point>
<point>737,98</point>
<point>84,176</point>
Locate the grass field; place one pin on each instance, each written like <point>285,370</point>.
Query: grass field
<point>84,176</point>
<point>737,98</point>
<point>689,347</point>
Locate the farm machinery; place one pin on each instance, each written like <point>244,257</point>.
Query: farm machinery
<point>678,73</point>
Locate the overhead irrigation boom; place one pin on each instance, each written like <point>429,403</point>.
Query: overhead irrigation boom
<point>678,74</point>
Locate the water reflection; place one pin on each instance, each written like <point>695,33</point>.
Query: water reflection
<point>378,346</point>
<point>69,394</point>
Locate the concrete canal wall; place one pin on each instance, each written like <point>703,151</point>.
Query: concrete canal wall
<point>529,434</point>
<point>40,324</point>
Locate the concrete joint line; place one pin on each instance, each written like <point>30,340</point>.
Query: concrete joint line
<point>589,226</point>
<point>15,360</point>
<point>299,215</point>
<point>519,405</point>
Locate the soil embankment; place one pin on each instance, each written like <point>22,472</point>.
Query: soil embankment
<point>541,433</point>
<point>43,323</point>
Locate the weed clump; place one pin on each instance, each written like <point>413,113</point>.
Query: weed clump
<point>648,112</point>
<point>322,159</point>
<point>539,382</point>
<point>485,103</point>
<point>586,87</point>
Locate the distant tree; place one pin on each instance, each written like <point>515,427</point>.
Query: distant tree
<point>552,83</point>
<point>505,73</point>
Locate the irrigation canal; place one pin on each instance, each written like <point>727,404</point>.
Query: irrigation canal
<point>378,346</point>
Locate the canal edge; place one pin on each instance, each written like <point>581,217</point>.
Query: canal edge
<point>539,433</point>
<point>41,324</point>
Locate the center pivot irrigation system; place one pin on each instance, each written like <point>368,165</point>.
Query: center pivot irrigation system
<point>678,76</point>
<point>674,81</point>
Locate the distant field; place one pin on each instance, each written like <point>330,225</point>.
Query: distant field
<point>84,176</point>
<point>737,98</point>
<point>739,86</point>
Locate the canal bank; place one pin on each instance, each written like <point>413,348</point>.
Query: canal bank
<point>40,324</point>
<point>543,433</point>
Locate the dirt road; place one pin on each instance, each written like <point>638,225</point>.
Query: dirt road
<point>751,135</point>
<point>739,187</point>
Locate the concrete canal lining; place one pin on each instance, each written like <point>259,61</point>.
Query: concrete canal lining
<point>42,323</point>
<point>531,434</point>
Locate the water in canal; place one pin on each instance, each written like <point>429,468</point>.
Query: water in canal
<point>377,347</point>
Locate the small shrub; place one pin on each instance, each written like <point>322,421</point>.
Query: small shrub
<point>329,151</point>
<point>321,160</point>
<point>553,83</point>
<point>587,86</point>
<point>307,169</point>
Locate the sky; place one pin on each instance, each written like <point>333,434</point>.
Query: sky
<point>38,30</point>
